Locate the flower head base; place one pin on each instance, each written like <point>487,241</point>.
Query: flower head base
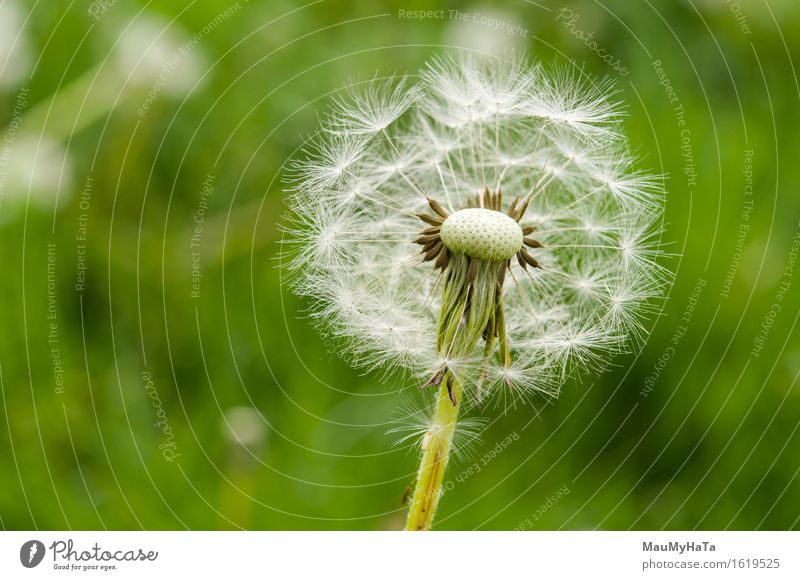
<point>485,227</point>
<point>483,234</point>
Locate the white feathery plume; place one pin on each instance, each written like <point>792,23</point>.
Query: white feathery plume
<point>414,426</point>
<point>467,126</point>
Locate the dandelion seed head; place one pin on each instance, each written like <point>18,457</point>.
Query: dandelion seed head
<point>487,221</point>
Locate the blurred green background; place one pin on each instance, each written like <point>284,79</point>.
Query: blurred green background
<point>157,373</point>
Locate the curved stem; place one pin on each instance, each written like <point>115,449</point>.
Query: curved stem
<point>436,450</point>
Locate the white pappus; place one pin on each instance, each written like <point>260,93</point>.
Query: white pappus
<point>466,132</point>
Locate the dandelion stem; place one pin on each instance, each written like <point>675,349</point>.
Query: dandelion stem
<point>501,331</point>
<point>434,457</point>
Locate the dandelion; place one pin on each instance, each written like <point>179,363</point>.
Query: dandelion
<point>484,229</point>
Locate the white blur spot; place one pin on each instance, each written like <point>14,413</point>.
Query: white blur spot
<point>15,56</point>
<point>37,167</point>
<point>153,52</point>
<point>486,30</point>
<point>244,426</point>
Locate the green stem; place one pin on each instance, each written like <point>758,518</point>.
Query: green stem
<point>467,315</point>
<point>501,331</point>
<point>434,457</point>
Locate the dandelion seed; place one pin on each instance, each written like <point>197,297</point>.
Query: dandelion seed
<point>485,230</point>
